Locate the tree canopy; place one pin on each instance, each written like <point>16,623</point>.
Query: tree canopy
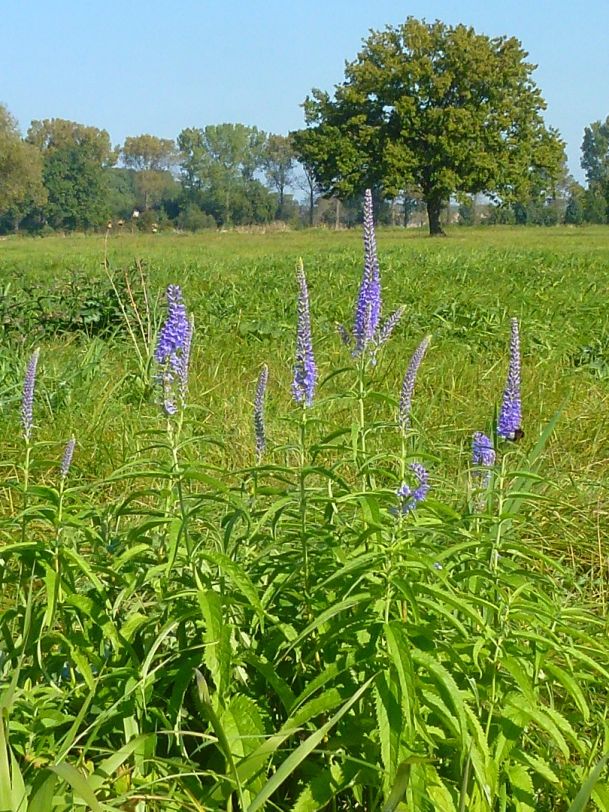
<point>75,157</point>
<point>442,109</point>
<point>21,184</point>
<point>595,159</point>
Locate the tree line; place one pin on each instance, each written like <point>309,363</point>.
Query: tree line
<point>443,123</point>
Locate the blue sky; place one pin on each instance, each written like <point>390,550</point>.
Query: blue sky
<point>157,67</point>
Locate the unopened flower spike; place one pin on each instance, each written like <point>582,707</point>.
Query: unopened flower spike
<point>509,425</point>
<point>259,425</point>
<point>408,384</point>
<point>27,400</point>
<point>305,370</point>
<point>66,460</point>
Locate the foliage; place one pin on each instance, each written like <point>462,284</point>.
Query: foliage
<point>221,160</point>
<point>441,108</point>
<point>20,173</point>
<point>74,159</point>
<point>164,643</point>
<point>595,159</point>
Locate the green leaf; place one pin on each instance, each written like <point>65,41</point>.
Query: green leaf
<point>580,801</point>
<point>303,750</point>
<point>80,785</point>
<point>216,637</point>
<point>238,576</point>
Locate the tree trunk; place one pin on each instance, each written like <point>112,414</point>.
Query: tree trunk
<point>337,223</point>
<point>434,208</point>
<point>311,204</point>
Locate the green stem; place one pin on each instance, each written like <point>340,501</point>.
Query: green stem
<point>303,505</point>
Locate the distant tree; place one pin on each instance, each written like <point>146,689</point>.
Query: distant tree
<point>575,210</point>
<point>121,195</point>
<point>222,159</point>
<point>595,160</point>
<point>74,171</point>
<point>278,162</point>
<point>307,182</point>
<point>21,187</point>
<point>442,108</point>
<point>153,160</point>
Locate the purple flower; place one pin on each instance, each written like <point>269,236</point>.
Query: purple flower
<point>173,351</point>
<point>510,417</point>
<point>409,497</point>
<point>408,384</point>
<point>483,452</point>
<point>27,401</point>
<point>389,326</point>
<point>368,307</point>
<point>66,460</point>
<point>259,428</point>
<point>305,371</point>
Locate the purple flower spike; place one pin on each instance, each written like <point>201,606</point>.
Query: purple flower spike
<point>66,460</point>
<point>408,384</point>
<point>172,351</point>
<point>368,308</point>
<point>510,418</point>
<point>389,326</point>
<point>409,497</point>
<point>259,427</point>
<point>305,371</point>
<point>27,401</point>
<point>483,452</point>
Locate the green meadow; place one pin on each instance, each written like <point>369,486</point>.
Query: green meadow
<point>185,627</point>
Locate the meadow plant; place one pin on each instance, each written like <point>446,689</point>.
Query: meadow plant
<point>368,333</point>
<point>66,459</point>
<point>27,400</point>
<point>305,651</point>
<point>411,497</point>
<point>259,424</point>
<point>305,369</point>
<point>509,425</point>
<point>408,384</point>
<point>172,353</point>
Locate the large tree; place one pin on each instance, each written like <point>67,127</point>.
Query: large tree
<point>595,160</point>
<point>440,108</point>
<point>21,185</point>
<point>75,161</point>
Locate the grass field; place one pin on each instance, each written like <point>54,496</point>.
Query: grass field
<point>152,601</point>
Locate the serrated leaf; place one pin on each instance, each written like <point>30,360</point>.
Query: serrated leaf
<point>216,637</point>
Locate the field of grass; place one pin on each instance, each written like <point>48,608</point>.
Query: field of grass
<point>185,629</point>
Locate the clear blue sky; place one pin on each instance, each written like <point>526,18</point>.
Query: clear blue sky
<point>156,67</point>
